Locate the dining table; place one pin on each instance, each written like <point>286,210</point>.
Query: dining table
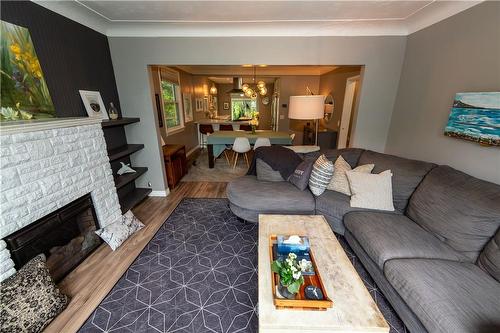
<point>218,141</point>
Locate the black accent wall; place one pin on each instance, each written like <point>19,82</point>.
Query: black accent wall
<point>73,57</point>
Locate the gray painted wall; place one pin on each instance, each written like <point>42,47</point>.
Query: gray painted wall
<point>459,54</point>
<point>382,56</point>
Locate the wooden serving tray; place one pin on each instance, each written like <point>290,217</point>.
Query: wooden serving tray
<point>300,302</point>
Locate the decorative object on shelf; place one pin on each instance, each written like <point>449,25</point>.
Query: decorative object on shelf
<point>112,112</point>
<point>93,104</point>
<point>125,168</point>
<point>226,106</point>
<point>188,108</point>
<point>199,104</point>
<point>307,107</point>
<point>290,275</point>
<point>213,89</point>
<point>25,94</point>
<point>475,117</point>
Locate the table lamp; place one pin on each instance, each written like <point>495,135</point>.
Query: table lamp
<point>307,107</point>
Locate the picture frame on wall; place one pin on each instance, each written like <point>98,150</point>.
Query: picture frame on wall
<point>93,103</point>
<point>226,105</point>
<point>199,104</point>
<point>188,108</point>
<point>205,104</point>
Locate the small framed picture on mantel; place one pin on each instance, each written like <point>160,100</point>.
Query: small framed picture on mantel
<point>94,104</point>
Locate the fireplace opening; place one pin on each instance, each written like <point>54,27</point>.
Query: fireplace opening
<point>66,237</point>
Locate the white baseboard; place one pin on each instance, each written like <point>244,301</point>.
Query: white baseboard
<point>163,193</point>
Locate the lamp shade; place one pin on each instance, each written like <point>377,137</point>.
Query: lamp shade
<point>306,107</point>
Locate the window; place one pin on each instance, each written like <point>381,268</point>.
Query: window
<point>242,108</point>
<point>171,106</point>
<point>171,100</point>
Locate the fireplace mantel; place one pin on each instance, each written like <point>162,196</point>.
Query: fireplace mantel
<point>24,126</point>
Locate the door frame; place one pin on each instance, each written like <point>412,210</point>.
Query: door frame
<point>350,90</point>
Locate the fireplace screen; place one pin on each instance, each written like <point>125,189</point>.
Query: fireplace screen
<point>66,237</point>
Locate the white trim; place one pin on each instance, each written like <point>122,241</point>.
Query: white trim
<point>345,120</point>
<point>163,193</point>
<point>45,124</point>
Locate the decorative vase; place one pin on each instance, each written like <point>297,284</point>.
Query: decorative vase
<point>284,291</point>
<point>253,129</point>
<point>112,112</point>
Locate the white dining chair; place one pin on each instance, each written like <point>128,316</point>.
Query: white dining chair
<point>241,145</point>
<point>261,142</point>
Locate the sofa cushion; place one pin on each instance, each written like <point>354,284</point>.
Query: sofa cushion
<point>489,259</point>
<point>391,236</point>
<point>334,205</point>
<point>266,173</point>
<point>351,155</point>
<point>269,197</point>
<point>447,296</point>
<point>407,174</point>
<point>461,210</point>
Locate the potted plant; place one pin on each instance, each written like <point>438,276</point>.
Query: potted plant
<point>290,273</point>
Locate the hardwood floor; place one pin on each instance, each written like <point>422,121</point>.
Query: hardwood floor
<point>92,280</point>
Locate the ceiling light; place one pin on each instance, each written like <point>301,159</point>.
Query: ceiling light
<point>247,65</point>
<point>262,65</point>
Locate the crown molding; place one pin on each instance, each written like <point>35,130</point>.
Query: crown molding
<point>420,19</point>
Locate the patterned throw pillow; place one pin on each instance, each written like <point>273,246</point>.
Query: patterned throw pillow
<point>321,175</point>
<point>300,177</point>
<point>29,299</point>
<point>117,232</point>
<point>339,180</point>
<point>372,191</point>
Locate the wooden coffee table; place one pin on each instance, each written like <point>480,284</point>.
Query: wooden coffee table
<point>353,308</point>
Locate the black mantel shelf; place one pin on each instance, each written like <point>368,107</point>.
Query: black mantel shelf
<point>119,122</point>
<point>123,151</point>
<point>126,178</point>
<point>133,198</point>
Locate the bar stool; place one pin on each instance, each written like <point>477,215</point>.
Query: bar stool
<point>205,130</point>
<point>244,127</point>
<point>262,142</point>
<point>241,146</point>
<point>225,127</point>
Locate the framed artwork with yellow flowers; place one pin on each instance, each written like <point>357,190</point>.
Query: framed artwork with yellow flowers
<point>24,92</point>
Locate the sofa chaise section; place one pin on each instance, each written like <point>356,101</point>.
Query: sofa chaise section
<point>249,197</point>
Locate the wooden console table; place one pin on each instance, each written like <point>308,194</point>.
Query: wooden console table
<point>175,163</point>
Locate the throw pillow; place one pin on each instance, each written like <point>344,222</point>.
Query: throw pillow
<point>265,173</point>
<point>300,177</point>
<point>321,175</point>
<point>372,191</point>
<point>117,232</point>
<point>339,180</point>
<point>29,299</point>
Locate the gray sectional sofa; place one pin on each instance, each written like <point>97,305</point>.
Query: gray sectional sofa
<point>436,258</point>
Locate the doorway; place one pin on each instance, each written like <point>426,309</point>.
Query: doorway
<point>347,110</point>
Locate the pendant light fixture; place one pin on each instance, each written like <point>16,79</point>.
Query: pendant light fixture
<point>259,89</point>
<point>213,89</point>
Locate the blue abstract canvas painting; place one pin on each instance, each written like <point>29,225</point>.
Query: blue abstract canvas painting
<point>475,117</point>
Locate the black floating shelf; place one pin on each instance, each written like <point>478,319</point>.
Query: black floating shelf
<point>126,178</point>
<point>119,122</point>
<point>132,198</point>
<point>123,151</point>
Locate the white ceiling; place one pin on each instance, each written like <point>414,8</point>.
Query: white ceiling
<point>257,18</point>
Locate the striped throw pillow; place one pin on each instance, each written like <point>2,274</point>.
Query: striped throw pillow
<point>321,175</point>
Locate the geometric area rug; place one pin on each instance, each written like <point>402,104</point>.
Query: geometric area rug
<point>198,274</point>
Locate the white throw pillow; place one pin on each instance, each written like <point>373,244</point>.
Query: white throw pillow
<point>339,180</point>
<point>372,191</point>
<point>321,175</point>
<point>117,232</point>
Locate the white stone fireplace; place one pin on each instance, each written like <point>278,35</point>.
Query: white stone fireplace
<point>44,165</point>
